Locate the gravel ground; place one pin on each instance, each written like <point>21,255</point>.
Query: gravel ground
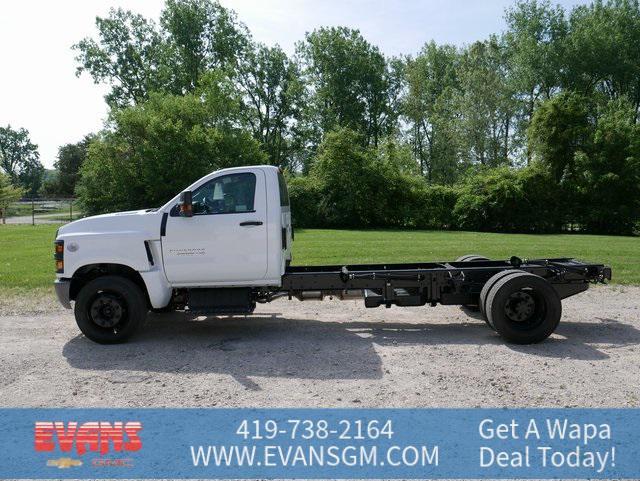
<point>325,354</point>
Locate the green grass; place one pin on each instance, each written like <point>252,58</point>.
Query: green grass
<point>26,256</point>
<point>26,252</point>
<point>366,246</point>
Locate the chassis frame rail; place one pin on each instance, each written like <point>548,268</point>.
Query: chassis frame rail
<point>416,284</point>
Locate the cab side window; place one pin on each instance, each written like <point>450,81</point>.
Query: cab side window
<point>229,194</point>
<point>284,194</point>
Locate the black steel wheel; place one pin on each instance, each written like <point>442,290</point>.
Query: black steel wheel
<point>523,308</point>
<point>110,309</point>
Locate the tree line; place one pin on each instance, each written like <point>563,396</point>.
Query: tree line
<point>535,129</point>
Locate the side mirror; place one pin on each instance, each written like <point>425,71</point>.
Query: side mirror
<point>185,205</point>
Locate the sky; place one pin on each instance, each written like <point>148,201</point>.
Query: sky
<point>40,91</point>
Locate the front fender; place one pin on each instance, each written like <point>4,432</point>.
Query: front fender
<point>125,247</point>
<point>121,248</point>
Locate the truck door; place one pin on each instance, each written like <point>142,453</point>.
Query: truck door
<point>226,239</point>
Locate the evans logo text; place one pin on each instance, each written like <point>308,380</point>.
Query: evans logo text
<point>98,436</point>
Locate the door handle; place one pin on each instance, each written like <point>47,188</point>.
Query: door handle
<point>250,222</point>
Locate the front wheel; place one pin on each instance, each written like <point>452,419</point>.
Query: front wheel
<point>110,309</point>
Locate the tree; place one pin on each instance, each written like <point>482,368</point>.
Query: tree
<point>158,148</point>
<point>560,128</point>
<point>8,194</point>
<point>305,196</point>
<point>344,172</point>
<point>273,101</point>
<point>136,56</point>
<point>349,82</point>
<point>535,41</point>
<point>432,80</point>
<point>485,104</point>
<point>130,55</point>
<point>593,155</point>
<point>19,158</point>
<point>362,186</point>
<point>70,160</point>
<point>31,178</point>
<point>602,50</point>
<point>202,35</point>
<point>397,156</point>
<point>608,179</point>
<point>505,199</point>
<point>415,135</point>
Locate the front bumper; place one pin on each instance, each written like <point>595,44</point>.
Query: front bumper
<point>62,287</point>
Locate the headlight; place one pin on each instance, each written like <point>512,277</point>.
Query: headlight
<point>58,255</point>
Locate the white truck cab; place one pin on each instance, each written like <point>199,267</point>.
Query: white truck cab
<point>231,228</point>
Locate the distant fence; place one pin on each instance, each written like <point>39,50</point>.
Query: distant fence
<point>41,211</point>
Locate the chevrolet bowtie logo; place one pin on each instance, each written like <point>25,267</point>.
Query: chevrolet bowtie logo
<point>64,463</point>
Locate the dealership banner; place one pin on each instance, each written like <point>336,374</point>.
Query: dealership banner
<point>319,443</point>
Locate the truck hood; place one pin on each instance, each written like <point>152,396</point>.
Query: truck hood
<point>146,222</point>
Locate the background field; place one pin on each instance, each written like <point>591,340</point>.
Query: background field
<point>26,252</point>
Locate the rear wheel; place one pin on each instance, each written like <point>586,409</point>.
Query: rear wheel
<point>523,308</point>
<point>471,258</point>
<point>110,309</point>
<point>487,287</point>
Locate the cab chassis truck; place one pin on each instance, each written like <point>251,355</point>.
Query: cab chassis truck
<point>224,244</point>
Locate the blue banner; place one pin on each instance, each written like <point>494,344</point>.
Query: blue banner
<point>320,443</point>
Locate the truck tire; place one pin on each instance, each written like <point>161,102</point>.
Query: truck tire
<point>487,287</point>
<point>471,257</point>
<point>523,308</point>
<point>164,310</point>
<point>110,309</point>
